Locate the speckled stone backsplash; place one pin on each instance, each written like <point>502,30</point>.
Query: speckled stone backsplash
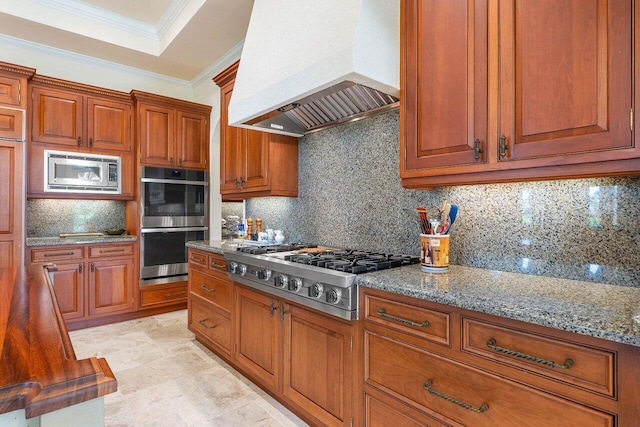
<point>350,196</point>
<point>50,217</point>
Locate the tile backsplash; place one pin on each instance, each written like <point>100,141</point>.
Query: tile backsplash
<point>50,217</point>
<point>350,196</point>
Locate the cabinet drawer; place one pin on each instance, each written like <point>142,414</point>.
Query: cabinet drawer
<point>379,413</point>
<point>213,325</point>
<point>57,254</point>
<point>586,367</point>
<point>213,289</point>
<point>110,250</point>
<point>198,259</point>
<point>165,295</point>
<point>422,322</point>
<point>218,264</point>
<point>467,395</point>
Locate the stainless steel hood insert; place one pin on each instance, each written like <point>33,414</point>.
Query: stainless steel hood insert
<point>344,102</point>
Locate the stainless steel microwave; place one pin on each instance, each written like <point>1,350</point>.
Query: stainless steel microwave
<point>70,172</point>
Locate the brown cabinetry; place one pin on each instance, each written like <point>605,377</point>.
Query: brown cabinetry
<point>69,116</point>
<point>253,163</point>
<point>172,132</point>
<point>90,281</point>
<point>494,372</point>
<point>508,91</point>
<point>13,100</point>
<point>210,301</point>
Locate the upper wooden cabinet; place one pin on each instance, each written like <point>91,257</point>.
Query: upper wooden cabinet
<point>508,91</point>
<point>80,117</point>
<point>172,132</point>
<point>253,163</point>
<point>13,100</point>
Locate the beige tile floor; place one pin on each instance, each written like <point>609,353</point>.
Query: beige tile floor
<point>167,378</point>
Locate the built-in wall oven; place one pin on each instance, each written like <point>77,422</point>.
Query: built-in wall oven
<point>174,204</point>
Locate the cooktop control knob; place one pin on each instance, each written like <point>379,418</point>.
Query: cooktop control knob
<point>333,296</point>
<point>232,266</point>
<point>281,281</point>
<point>241,270</point>
<point>295,285</point>
<point>264,274</point>
<point>315,290</point>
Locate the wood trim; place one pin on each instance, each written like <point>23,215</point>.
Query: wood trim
<point>228,75</point>
<point>17,69</point>
<point>193,107</point>
<point>86,89</point>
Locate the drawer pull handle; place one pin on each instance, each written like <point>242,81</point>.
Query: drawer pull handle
<point>216,265</point>
<point>203,322</point>
<point>111,251</point>
<point>196,259</point>
<point>59,254</point>
<point>204,288</point>
<point>427,386</point>
<point>383,313</point>
<point>492,345</point>
<point>174,294</point>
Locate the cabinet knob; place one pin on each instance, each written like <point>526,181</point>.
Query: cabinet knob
<point>79,141</point>
<point>90,142</point>
<point>171,160</point>
<point>477,149</point>
<point>93,268</point>
<point>180,162</point>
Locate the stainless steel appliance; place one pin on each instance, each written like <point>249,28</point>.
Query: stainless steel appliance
<point>174,204</point>
<point>320,278</point>
<point>81,173</point>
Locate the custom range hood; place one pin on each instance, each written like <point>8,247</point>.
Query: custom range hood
<point>307,65</point>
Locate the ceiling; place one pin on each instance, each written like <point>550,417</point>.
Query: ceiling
<point>176,38</point>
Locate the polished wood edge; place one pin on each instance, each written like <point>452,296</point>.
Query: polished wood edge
<point>92,90</point>
<point>139,95</point>
<point>17,69</point>
<point>228,75</point>
<point>39,371</point>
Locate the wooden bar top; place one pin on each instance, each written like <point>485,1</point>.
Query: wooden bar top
<point>39,371</point>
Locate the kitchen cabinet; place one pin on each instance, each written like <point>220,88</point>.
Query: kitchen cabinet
<point>170,132</point>
<point>451,366</point>
<point>210,301</point>
<point>13,103</point>
<point>70,116</point>
<point>91,281</point>
<point>302,355</point>
<point>79,117</point>
<point>253,163</point>
<point>507,91</point>
<point>13,100</point>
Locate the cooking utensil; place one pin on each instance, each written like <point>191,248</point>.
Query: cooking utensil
<point>453,213</point>
<point>425,224</point>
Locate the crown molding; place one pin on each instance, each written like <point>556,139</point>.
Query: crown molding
<point>231,56</point>
<point>169,16</point>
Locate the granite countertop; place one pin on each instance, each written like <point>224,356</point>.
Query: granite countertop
<point>215,246</point>
<point>603,311</point>
<point>54,241</point>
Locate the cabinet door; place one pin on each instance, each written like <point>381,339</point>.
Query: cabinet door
<point>231,147</point>
<point>11,124</point>
<point>10,91</point>
<point>68,284</point>
<point>318,365</point>
<point>255,160</point>
<point>193,130</point>
<point>445,84</point>
<point>565,78</point>
<point>157,135</point>
<point>110,286</point>
<point>109,124</point>
<point>56,117</point>
<point>11,190</point>
<point>258,336</point>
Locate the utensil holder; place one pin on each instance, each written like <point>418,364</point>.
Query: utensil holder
<point>434,252</point>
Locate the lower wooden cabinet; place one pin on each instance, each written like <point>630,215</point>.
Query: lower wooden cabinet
<point>490,371</point>
<point>91,281</point>
<point>162,295</point>
<point>302,357</point>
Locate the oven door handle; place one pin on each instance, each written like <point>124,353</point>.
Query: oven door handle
<point>171,229</point>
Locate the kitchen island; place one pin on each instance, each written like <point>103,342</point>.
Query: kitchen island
<point>40,377</point>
